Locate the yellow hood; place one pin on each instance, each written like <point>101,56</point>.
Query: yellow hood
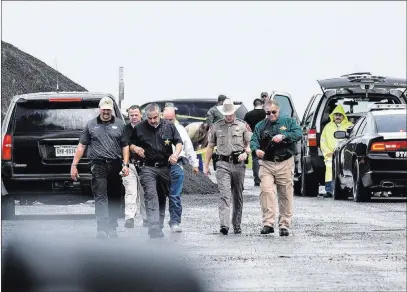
<point>339,109</point>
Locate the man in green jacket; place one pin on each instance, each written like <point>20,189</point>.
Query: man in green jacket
<point>274,141</point>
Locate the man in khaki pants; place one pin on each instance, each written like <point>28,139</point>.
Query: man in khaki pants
<point>273,141</point>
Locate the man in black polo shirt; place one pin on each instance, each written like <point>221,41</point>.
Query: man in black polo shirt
<point>152,141</point>
<point>109,155</point>
<point>253,117</point>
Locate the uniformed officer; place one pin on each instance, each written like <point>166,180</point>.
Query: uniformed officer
<point>152,141</point>
<point>232,139</point>
<point>273,141</point>
<point>134,197</point>
<point>109,155</point>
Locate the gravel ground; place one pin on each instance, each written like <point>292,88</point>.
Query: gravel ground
<point>334,245</point>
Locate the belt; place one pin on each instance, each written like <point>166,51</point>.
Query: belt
<point>154,164</point>
<point>279,159</point>
<point>228,158</point>
<point>107,160</point>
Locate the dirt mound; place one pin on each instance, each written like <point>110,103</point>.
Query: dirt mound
<point>22,73</point>
<point>197,184</point>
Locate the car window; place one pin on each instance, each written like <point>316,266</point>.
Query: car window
<point>199,109</point>
<point>391,123</point>
<point>363,105</point>
<point>309,113</point>
<point>286,108</point>
<point>45,116</point>
<point>356,127</point>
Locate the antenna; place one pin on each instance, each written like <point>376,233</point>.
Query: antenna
<point>56,68</point>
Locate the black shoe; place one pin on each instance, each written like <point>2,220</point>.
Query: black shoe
<point>113,234</point>
<point>129,223</point>
<point>101,235</point>
<point>224,230</point>
<point>328,195</point>
<point>267,230</point>
<point>237,230</point>
<point>155,233</point>
<point>145,223</point>
<point>284,232</point>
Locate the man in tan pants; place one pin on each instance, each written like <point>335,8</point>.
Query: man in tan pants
<point>273,141</point>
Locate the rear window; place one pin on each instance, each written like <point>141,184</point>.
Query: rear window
<point>391,123</point>
<point>45,116</point>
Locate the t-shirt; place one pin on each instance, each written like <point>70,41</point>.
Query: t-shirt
<point>254,116</point>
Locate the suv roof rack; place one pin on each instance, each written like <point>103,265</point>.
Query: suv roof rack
<point>376,107</point>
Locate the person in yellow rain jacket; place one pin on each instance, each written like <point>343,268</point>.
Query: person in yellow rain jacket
<point>339,122</point>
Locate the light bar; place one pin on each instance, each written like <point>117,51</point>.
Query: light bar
<point>387,106</point>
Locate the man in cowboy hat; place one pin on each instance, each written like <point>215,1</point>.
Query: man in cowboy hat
<point>232,139</point>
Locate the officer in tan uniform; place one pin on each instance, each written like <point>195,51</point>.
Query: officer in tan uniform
<point>232,139</point>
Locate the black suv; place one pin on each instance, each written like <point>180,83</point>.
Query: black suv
<point>355,92</point>
<point>40,133</point>
<point>192,110</point>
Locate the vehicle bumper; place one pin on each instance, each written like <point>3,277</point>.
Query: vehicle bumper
<point>377,179</point>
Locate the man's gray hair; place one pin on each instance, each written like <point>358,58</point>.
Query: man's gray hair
<point>269,103</point>
<point>152,107</point>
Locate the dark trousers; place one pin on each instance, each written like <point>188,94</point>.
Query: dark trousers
<point>107,189</point>
<point>156,184</point>
<point>255,167</point>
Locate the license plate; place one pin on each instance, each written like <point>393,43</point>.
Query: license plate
<point>65,150</point>
<point>401,154</point>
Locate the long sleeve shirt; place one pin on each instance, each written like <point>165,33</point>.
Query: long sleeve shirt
<point>187,147</point>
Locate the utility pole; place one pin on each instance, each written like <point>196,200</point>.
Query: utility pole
<point>121,87</point>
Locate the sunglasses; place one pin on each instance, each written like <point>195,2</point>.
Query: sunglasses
<point>272,112</point>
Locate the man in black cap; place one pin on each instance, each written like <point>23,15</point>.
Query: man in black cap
<point>213,115</point>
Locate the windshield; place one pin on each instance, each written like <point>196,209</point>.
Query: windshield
<point>360,105</point>
<point>45,116</point>
<point>391,123</point>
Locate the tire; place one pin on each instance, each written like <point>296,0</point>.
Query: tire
<point>297,188</point>
<point>309,184</point>
<point>338,193</point>
<point>360,193</point>
<point>8,208</point>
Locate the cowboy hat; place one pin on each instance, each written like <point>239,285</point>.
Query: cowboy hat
<point>228,107</point>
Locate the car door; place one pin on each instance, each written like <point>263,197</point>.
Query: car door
<point>350,146</point>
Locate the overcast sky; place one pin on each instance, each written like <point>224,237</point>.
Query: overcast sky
<point>203,49</point>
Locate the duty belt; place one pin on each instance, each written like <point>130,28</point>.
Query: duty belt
<point>279,158</point>
<point>153,164</point>
<point>228,158</point>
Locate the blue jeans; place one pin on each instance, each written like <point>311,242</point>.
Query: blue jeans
<point>177,181</point>
<point>328,187</point>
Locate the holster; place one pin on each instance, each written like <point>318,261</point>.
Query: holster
<point>235,156</point>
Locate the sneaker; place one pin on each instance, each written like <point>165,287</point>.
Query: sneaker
<point>328,195</point>
<point>129,223</point>
<point>155,233</point>
<point>224,230</point>
<point>267,230</point>
<point>237,230</point>
<point>101,235</point>
<point>113,234</point>
<point>284,232</point>
<point>176,228</point>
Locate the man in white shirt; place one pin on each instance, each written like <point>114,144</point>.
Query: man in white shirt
<point>134,197</point>
<point>187,155</point>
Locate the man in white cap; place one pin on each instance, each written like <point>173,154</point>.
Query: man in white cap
<point>232,139</point>
<point>109,155</point>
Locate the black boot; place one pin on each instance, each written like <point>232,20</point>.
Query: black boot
<point>284,232</point>
<point>224,230</point>
<point>267,230</point>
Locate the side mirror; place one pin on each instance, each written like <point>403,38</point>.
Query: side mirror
<point>340,134</point>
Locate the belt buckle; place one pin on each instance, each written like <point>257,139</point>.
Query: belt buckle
<point>156,164</point>
<point>230,158</point>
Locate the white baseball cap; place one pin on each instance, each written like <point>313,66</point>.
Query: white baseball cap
<point>106,103</point>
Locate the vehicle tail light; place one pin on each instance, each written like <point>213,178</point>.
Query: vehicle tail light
<point>65,99</point>
<point>312,138</point>
<point>7,147</point>
<point>388,146</point>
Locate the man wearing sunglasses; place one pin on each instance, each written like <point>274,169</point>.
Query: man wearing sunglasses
<point>274,141</point>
